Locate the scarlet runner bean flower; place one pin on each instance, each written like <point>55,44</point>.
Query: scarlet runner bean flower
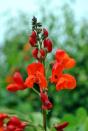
<point>36,75</point>
<point>62,81</point>
<point>18,83</point>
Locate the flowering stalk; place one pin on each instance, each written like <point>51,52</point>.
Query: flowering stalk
<point>40,53</point>
<point>42,45</point>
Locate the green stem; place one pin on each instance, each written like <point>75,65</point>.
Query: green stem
<point>44,120</point>
<point>35,91</point>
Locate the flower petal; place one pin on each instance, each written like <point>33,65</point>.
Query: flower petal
<point>30,80</point>
<point>13,87</point>
<point>18,78</point>
<point>66,81</point>
<point>32,68</point>
<point>70,64</point>
<point>56,72</point>
<point>41,80</point>
<point>59,54</point>
<point>65,59</point>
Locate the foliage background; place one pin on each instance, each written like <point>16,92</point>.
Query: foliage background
<point>15,54</point>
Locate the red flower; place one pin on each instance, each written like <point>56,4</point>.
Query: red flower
<point>46,104</point>
<point>2,118</point>
<point>15,124</point>
<point>36,75</point>
<point>48,44</point>
<point>18,83</point>
<point>61,126</point>
<point>62,81</point>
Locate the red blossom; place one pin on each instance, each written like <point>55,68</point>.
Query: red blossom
<point>63,61</point>
<point>15,124</point>
<point>36,75</point>
<point>18,83</point>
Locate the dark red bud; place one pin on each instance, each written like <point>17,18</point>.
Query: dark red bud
<point>61,126</point>
<point>33,34</point>
<point>48,44</point>
<point>45,32</point>
<point>35,53</point>
<point>42,52</point>
<point>46,104</point>
<point>32,41</point>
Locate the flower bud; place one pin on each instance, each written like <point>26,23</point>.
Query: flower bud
<point>42,52</point>
<point>33,34</point>
<point>35,53</point>
<point>48,44</point>
<point>45,33</point>
<point>61,126</point>
<point>32,41</point>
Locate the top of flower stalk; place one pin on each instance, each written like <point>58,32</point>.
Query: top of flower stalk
<point>39,40</point>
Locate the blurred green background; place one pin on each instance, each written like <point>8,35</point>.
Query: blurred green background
<point>67,24</point>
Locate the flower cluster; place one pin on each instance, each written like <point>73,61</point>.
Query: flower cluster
<point>12,124</point>
<point>17,83</point>
<point>40,41</point>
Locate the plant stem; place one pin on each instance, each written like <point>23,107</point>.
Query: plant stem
<point>35,91</point>
<point>44,120</point>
